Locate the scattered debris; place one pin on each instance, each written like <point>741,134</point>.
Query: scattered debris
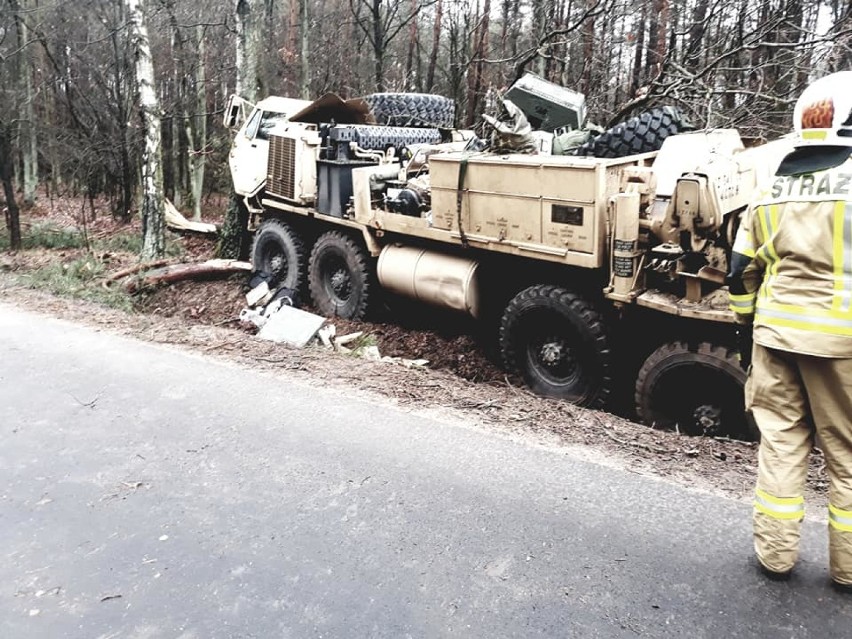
<point>177,222</point>
<point>109,597</point>
<point>291,326</point>
<point>326,334</point>
<point>259,295</point>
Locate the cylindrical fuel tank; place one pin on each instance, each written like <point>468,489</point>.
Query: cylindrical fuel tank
<point>431,277</point>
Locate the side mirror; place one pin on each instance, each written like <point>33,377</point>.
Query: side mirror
<point>233,110</point>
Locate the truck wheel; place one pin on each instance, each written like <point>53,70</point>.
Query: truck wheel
<point>340,276</point>
<point>279,251</point>
<point>640,134</point>
<point>557,341</point>
<point>697,390</point>
<point>412,109</point>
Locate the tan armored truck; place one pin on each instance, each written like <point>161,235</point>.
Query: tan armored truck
<point>602,274</point>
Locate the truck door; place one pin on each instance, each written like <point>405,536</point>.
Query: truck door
<point>250,150</point>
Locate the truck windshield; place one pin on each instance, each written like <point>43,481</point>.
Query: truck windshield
<point>268,122</point>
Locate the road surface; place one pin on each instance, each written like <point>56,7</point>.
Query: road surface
<point>148,492</point>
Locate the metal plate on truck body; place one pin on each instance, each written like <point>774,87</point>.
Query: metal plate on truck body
<point>552,207</point>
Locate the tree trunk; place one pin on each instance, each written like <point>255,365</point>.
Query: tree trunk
<point>696,35</point>
<point>247,15</point>
<point>378,45</point>
<point>13,219</point>
<point>436,46</point>
<point>27,126</point>
<point>412,76</point>
<point>476,69</point>
<point>153,217</point>
<point>234,233</point>
<point>196,129</point>
<point>589,62</point>
<point>304,49</point>
<point>233,236</point>
<point>636,79</point>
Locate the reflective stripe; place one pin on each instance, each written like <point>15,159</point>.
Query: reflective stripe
<point>779,507</point>
<point>743,304</point>
<point>840,519</point>
<point>842,256</point>
<point>744,244</point>
<point>768,217</point>
<point>804,319</point>
<point>814,134</point>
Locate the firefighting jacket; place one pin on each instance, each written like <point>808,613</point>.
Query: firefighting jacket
<point>791,267</point>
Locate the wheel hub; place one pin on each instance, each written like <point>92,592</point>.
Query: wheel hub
<point>340,283</point>
<point>277,263</point>
<point>555,354</point>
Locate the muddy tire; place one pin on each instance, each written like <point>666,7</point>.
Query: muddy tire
<point>340,276</point>
<point>279,251</point>
<point>412,109</point>
<point>695,389</point>
<point>558,343</point>
<point>643,133</point>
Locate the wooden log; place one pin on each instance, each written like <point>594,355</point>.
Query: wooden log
<point>179,272</point>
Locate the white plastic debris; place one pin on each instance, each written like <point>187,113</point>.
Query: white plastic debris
<point>253,316</point>
<point>291,326</point>
<point>370,353</point>
<point>326,334</point>
<point>260,294</point>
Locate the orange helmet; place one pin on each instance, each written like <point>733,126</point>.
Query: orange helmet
<point>823,114</point>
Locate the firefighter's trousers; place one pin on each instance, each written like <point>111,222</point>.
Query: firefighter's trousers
<point>792,397</point>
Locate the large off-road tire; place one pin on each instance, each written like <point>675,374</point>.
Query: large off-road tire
<point>341,276</point>
<point>696,389</point>
<point>279,251</point>
<point>558,343</point>
<point>640,134</point>
<point>412,109</point>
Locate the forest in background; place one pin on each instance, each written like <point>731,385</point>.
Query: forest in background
<point>70,121</point>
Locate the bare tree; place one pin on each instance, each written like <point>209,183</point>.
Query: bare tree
<point>381,22</point>
<point>153,223</point>
<point>246,13</point>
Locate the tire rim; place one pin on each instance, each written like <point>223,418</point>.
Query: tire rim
<point>553,353</point>
<point>700,400</point>
<point>338,278</point>
<point>273,258</point>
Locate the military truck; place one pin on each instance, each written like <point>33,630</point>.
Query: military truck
<point>603,277</point>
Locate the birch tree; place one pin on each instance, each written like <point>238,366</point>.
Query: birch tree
<point>247,13</point>
<point>153,222</point>
<point>27,120</point>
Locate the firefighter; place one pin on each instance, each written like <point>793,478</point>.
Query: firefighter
<point>791,283</point>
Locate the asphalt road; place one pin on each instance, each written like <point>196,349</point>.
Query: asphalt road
<point>147,492</point>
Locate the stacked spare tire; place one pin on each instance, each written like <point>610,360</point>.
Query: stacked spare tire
<point>420,110</point>
<point>643,133</point>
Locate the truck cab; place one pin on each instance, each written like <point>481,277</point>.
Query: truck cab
<point>250,148</point>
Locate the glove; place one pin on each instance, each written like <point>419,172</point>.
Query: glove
<point>744,344</point>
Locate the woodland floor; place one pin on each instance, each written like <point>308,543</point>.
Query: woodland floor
<point>462,380</point>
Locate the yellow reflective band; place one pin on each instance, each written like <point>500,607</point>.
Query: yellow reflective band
<point>804,319</point>
<point>744,244</point>
<point>742,304</point>
<point>779,507</point>
<point>814,134</point>
<point>766,252</point>
<point>773,229</point>
<point>842,243</point>
<point>840,519</point>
